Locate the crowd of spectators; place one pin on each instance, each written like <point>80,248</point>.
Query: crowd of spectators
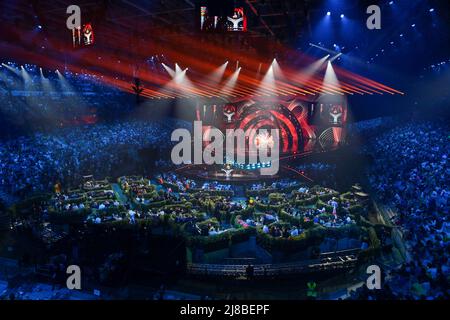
<point>411,174</point>
<point>184,183</point>
<point>281,184</point>
<point>35,163</point>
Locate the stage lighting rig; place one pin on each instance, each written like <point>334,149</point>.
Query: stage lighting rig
<point>334,52</point>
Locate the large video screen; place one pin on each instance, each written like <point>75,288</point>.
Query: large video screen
<point>222,19</point>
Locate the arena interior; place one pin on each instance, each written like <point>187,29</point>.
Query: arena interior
<point>117,181</point>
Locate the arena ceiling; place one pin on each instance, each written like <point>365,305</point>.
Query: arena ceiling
<point>290,22</point>
<point>276,18</point>
<point>131,32</point>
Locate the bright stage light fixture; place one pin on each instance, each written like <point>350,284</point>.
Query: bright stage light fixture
<point>231,82</point>
<point>330,79</point>
<point>169,70</point>
<point>335,57</point>
<point>216,76</point>
<point>323,48</point>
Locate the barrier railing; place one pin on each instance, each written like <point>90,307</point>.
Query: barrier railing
<point>328,262</point>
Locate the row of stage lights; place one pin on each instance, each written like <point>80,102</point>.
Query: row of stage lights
<point>339,49</point>
<point>14,67</point>
<point>439,65</point>
<point>216,85</point>
<point>401,35</point>
<point>392,2</point>
<point>342,15</point>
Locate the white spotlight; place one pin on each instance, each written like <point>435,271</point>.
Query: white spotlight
<point>335,57</point>
<point>169,70</point>
<point>177,68</point>
<point>216,76</point>
<point>330,79</point>
<point>231,82</point>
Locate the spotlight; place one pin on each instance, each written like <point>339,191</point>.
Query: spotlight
<point>432,10</point>
<point>342,16</point>
<point>328,13</point>
<point>39,27</point>
<point>391,3</point>
<point>335,57</point>
<point>401,35</point>
<point>413,25</point>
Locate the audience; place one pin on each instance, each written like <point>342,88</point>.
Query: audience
<point>36,162</point>
<point>411,173</point>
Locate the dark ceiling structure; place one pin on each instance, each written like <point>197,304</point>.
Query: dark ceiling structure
<point>136,31</point>
<point>281,19</point>
<point>289,22</point>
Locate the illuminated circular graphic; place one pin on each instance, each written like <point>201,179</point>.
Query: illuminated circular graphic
<point>264,140</point>
<point>257,116</point>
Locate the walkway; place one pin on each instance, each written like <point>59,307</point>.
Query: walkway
<point>123,199</point>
